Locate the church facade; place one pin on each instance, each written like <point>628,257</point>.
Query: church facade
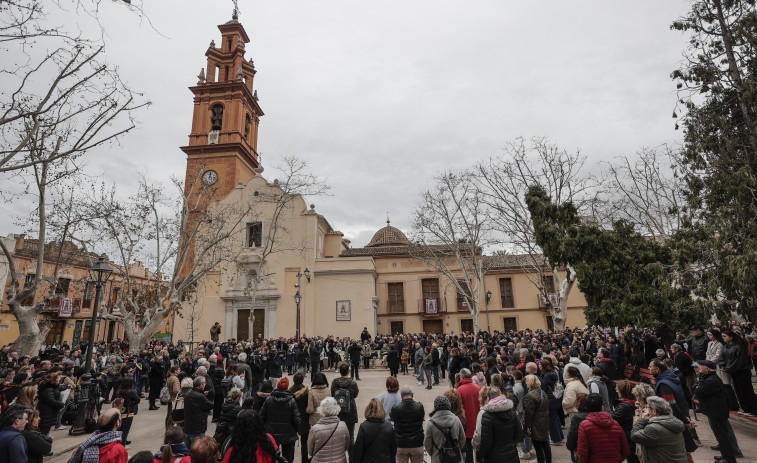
<point>311,280</point>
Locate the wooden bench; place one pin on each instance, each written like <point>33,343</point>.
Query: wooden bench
<point>643,372</point>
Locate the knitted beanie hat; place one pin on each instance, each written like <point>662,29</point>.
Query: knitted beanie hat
<point>283,383</point>
<point>442,403</point>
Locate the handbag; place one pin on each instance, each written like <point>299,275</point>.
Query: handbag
<point>310,459</point>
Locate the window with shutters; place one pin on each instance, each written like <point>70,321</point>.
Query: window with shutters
<point>396,300</point>
<point>462,300</point>
<point>506,293</point>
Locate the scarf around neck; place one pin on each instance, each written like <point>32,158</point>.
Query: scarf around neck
<point>89,451</point>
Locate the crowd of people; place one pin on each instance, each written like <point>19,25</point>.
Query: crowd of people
<point>607,395</point>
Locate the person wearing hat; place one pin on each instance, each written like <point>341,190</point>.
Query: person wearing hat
<point>282,417</point>
<point>713,402</point>
<point>440,421</point>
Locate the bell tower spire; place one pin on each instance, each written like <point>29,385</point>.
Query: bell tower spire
<point>223,141</point>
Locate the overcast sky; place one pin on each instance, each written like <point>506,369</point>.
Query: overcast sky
<point>380,96</point>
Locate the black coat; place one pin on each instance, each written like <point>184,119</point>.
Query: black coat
<point>571,441</point>
<point>623,413</point>
<point>375,443</point>
<point>156,379</point>
<point>500,431</point>
<point>408,423</point>
<point>392,359</point>
<point>49,404</point>
<point>37,445</point>
<point>711,393</point>
<point>281,416</point>
<point>196,408</point>
<point>455,365</point>
<point>229,411</point>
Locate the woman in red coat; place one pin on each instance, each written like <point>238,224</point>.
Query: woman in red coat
<point>600,437</point>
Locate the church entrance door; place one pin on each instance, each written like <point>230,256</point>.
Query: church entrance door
<point>258,327</point>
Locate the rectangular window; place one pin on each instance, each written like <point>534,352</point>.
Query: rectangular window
<point>28,279</point>
<point>86,330</point>
<point>396,327</point>
<point>506,293</point>
<point>88,291</point>
<point>61,289</point>
<point>549,284</point>
<point>462,301</point>
<point>396,300</point>
<point>466,324</point>
<point>550,323</point>
<point>510,324</point>
<point>430,288</point>
<point>254,234</point>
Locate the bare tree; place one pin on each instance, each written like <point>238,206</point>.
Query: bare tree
<point>450,234</point>
<point>57,89</point>
<point>177,237</point>
<point>270,208</point>
<point>646,190</point>
<point>504,181</point>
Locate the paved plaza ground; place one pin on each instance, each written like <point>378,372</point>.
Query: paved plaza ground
<point>148,428</point>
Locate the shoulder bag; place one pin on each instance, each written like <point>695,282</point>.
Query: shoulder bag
<point>326,442</point>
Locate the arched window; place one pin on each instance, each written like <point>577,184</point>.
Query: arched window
<point>216,117</point>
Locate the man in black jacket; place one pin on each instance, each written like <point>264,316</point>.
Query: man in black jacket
<point>698,343</point>
<point>408,427</point>
<point>282,418</point>
<point>713,402</point>
<point>354,352</point>
<point>196,408</point>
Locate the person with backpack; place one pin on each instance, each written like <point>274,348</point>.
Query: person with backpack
<point>444,438</point>
<point>126,401</point>
<point>375,442</point>
<point>345,391</point>
<point>408,427</point>
<point>174,448</point>
<point>229,411</point>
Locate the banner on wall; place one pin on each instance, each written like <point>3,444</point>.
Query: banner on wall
<point>65,307</point>
<point>431,306</point>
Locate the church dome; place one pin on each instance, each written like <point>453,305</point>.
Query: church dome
<point>388,236</point>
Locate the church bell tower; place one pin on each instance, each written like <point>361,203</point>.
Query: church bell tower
<point>223,143</point>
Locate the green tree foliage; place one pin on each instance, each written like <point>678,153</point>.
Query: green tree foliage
<point>718,96</point>
<point>625,277</point>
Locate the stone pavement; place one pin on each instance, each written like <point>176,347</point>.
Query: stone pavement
<point>148,427</point>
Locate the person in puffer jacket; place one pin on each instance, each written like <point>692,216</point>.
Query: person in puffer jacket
<point>282,418</point>
<point>229,411</point>
<point>600,438</point>
<point>500,430</point>
<point>659,434</point>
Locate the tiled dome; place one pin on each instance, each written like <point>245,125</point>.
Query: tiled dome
<point>388,236</point>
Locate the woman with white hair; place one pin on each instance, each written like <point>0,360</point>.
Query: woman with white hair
<point>329,439</point>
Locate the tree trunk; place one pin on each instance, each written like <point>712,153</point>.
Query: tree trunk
<point>31,334</point>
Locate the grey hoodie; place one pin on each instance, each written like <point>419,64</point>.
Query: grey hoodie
<point>582,367</point>
<point>434,437</point>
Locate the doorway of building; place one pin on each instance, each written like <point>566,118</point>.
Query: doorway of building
<point>111,331</point>
<point>55,336</point>
<point>258,326</point>
<point>433,326</point>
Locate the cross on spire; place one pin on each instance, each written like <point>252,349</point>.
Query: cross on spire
<point>235,14</point>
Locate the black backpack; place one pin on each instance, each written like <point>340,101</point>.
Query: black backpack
<point>343,398</point>
<point>226,385</point>
<point>449,452</point>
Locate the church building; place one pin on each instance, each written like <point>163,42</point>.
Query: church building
<point>312,281</point>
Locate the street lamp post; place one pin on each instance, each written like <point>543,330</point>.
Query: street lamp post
<point>488,298</point>
<point>99,274</point>
<point>298,297</point>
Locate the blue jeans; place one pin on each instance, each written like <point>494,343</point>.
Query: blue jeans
<point>193,437</point>
<point>435,371</point>
<point>525,446</point>
<point>555,429</point>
